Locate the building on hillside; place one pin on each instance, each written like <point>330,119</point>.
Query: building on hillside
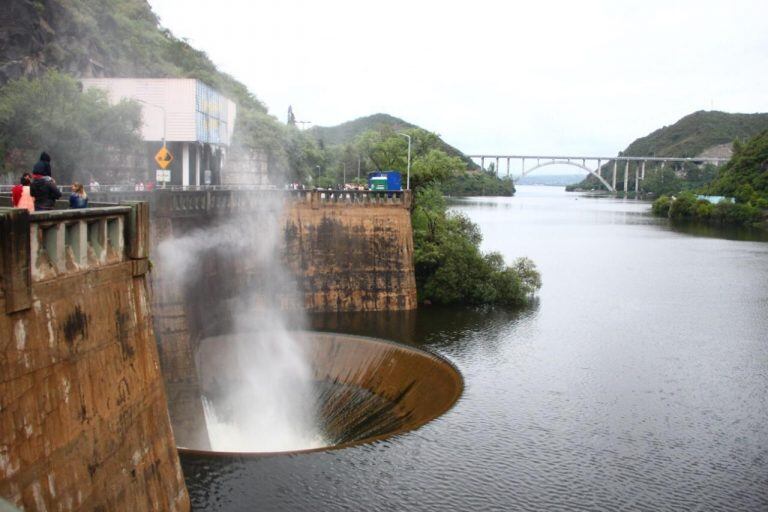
<point>195,121</point>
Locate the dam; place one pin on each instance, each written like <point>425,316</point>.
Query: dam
<point>113,353</point>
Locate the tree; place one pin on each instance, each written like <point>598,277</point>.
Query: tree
<point>84,134</point>
<point>434,166</point>
<point>745,176</point>
<point>661,181</point>
<point>385,150</point>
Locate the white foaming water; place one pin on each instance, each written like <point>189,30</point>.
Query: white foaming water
<point>265,402</point>
<point>261,397</point>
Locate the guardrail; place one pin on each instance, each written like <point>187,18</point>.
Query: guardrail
<point>46,245</point>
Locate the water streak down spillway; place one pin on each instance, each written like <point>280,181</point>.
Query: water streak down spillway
<point>363,389</point>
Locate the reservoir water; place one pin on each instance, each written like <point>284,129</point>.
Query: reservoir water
<point>638,381</point>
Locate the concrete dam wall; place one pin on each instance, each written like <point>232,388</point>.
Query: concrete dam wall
<point>351,256</point>
<point>83,415</point>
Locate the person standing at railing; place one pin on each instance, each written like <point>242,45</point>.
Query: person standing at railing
<point>43,187</point>
<point>20,194</point>
<point>78,198</point>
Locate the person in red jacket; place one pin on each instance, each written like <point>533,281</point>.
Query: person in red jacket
<point>16,191</point>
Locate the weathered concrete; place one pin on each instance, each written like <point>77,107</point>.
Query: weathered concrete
<point>83,417</point>
<point>351,257</point>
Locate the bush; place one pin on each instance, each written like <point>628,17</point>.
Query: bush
<point>738,214</point>
<point>688,207</point>
<point>683,207</point>
<point>703,209</point>
<point>661,206</point>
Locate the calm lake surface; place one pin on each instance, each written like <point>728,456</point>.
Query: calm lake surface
<point>639,381</point>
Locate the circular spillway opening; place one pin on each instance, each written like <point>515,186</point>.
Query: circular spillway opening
<point>306,391</point>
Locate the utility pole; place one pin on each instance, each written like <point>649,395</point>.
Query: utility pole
<point>408,179</point>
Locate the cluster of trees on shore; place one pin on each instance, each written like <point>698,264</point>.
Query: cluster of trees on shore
<point>451,269</point>
<point>744,179</point>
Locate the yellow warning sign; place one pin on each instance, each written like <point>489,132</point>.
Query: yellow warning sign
<point>164,158</point>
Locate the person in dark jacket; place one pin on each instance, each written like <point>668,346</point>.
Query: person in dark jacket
<point>43,187</point>
<point>43,166</point>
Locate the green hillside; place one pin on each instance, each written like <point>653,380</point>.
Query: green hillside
<point>688,137</point>
<point>112,38</point>
<point>746,175</point>
<point>348,132</point>
<point>696,132</point>
<point>119,38</point>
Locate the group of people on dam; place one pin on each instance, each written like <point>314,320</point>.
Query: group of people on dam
<point>38,190</point>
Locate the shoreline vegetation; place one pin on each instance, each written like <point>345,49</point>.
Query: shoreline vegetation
<point>743,181</point>
<point>451,269</point>
<point>687,206</point>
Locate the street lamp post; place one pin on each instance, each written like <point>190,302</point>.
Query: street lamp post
<point>408,176</point>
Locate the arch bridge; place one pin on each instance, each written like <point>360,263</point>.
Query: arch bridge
<point>526,164</point>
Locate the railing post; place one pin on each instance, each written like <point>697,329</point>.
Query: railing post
<point>16,258</point>
<point>136,233</point>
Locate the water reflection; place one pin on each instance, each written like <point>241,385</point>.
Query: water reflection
<point>451,330</point>
<point>744,234</point>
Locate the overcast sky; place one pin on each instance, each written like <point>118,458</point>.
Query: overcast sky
<point>553,77</point>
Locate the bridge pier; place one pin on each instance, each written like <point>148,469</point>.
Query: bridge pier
<point>615,166</point>
<point>626,179</point>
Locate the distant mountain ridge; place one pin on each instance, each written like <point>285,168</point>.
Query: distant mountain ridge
<point>696,133</point>
<point>347,132</point>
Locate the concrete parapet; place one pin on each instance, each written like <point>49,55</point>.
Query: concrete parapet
<point>189,203</point>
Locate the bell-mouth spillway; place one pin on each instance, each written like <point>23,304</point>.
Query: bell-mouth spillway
<point>362,389</point>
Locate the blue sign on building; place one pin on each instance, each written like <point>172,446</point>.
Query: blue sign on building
<point>211,115</point>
